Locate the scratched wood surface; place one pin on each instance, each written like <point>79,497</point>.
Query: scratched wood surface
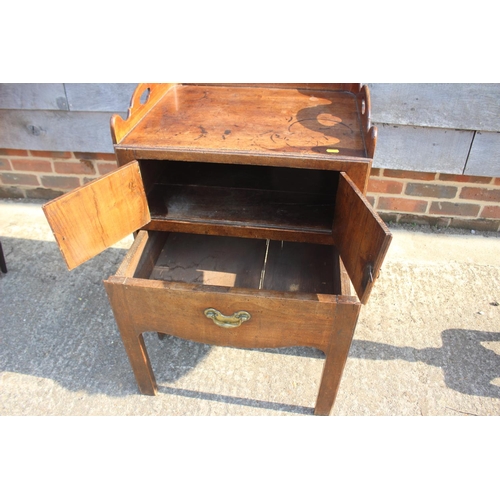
<point>254,121</point>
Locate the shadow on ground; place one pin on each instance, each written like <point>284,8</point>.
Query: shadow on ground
<point>468,366</point>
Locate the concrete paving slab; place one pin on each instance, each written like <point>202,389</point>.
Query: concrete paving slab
<point>427,343</point>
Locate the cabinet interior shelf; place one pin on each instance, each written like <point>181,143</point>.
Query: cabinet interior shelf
<point>228,196</point>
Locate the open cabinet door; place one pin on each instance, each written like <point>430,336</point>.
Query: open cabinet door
<point>93,217</point>
<point>360,235</point>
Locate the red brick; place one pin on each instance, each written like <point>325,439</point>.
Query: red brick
<point>431,190</point>
<point>74,167</point>
<point>96,156</point>
<point>408,174</point>
<point>13,152</point>
<point>371,200</point>
<point>60,182</point>
<point>464,178</point>
<point>106,167</point>
<point>5,164</point>
<point>375,172</point>
<point>402,205</point>
<point>483,194</point>
<point>382,186</point>
<point>492,212</point>
<point>19,179</point>
<point>52,154</point>
<point>497,181</point>
<point>29,165</point>
<point>456,209</point>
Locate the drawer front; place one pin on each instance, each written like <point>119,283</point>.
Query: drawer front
<point>226,316</point>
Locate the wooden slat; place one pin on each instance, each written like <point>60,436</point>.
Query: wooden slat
<point>243,231</point>
<point>90,219</point>
<point>99,96</point>
<point>469,106</point>
<point>361,236</point>
<point>36,96</point>
<point>484,157</point>
<point>422,149</point>
<point>55,131</point>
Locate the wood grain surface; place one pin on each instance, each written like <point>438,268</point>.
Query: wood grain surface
<point>253,121</point>
<point>279,319</point>
<point>91,218</point>
<point>361,236</point>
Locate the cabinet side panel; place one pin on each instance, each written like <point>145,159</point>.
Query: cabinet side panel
<point>361,236</point>
<point>92,218</point>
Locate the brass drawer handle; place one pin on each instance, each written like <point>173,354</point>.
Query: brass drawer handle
<point>227,321</point>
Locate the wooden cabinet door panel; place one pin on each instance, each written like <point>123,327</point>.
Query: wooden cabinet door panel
<point>93,217</point>
<point>361,236</point>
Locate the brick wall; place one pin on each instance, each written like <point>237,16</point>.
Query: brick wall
<point>444,200</point>
<point>47,174</point>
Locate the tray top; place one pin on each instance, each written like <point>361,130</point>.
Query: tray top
<point>253,121</point>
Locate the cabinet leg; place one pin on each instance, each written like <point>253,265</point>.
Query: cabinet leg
<point>336,357</point>
<point>141,365</point>
<point>133,340</point>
